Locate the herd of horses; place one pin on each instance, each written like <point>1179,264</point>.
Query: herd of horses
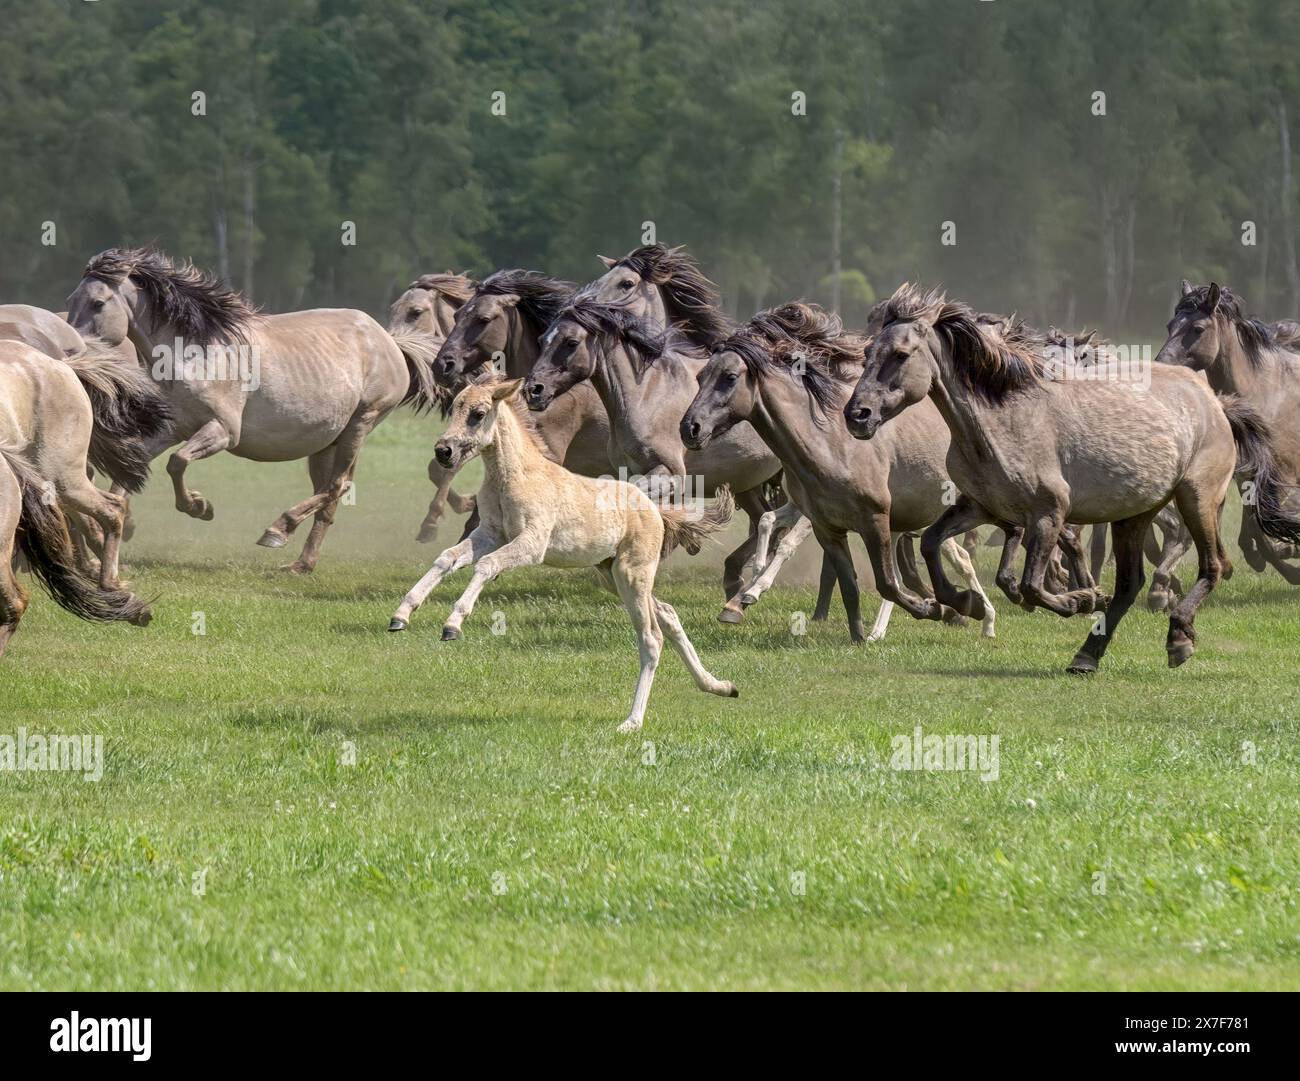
<point>933,420</point>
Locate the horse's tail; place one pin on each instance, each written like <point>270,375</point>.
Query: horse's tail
<point>420,350</point>
<point>683,530</point>
<point>129,412</point>
<point>42,537</point>
<point>1256,464</point>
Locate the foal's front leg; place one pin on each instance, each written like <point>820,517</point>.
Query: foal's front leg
<point>472,548</point>
<point>525,550</point>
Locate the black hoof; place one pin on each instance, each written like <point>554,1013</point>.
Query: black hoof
<point>450,634</point>
<point>1179,653</point>
<point>1082,665</point>
<point>730,615</point>
<point>396,624</point>
<point>272,538</point>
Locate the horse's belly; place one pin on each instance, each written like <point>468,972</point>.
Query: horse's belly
<point>281,432</point>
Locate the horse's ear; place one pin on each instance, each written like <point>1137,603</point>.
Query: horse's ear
<point>502,391</point>
<point>1088,338</point>
<point>1187,287</point>
<point>610,264</point>
<point>1212,301</point>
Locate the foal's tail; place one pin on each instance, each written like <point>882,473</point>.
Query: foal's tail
<point>1256,463</point>
<point>681,530</point>
<point>421,350</point>
<point>129,411</point>
<point>42,537</point>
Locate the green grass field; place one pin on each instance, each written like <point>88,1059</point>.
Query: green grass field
<point>496,832</point>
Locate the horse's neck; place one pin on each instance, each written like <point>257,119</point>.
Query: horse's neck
<point>638,406</point>
<point>521,345</point>
<point>1232,371</point>
<point>784,422</point>
<point>511,461</point>
<point>969,420</point>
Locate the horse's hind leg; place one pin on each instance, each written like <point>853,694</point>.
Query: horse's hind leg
<point>752,503</point>
<point>963,515</point>
<point>786,547</point>
<point>109,511</point>
<point>211,439</point>
<point>676,634</point>
<point>1043,538</point>
<point>13,601</point>
<point>825,591</point>
<point>1006,575</point>
<point>1097,551</point>
<point>346,449</point>
<point>1200,513</point>
<point>443,498</point>
<point>633,584</point>
<point>1127,537</point>
<point>320,468</point>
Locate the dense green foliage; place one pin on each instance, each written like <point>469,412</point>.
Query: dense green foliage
<point>379,112</point>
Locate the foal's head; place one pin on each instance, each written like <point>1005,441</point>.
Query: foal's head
<point>473,424</point>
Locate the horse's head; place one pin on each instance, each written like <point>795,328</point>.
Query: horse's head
<point>569,355</point>
<point>473,422</point>
<point>629,284</point>
<point>428,306</point>
<point>1196,331</point>
<point>104,301</point>
<point>901,365</point>
<point>726,396</point>
<point>478,337</point>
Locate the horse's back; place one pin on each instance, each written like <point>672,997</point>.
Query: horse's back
<point>44,412</point>
<point>41,329</point>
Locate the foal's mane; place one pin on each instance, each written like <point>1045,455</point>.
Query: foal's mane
<point>540,297</point>
<point>691,300</point>
<point>991,364</point>
<point>457,287</point>
<point>773,340</point>
<point>196,302</point>
<point>645,345</point>
<point>1255,335</point>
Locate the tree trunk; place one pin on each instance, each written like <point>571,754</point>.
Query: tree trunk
<point>1288,238</point>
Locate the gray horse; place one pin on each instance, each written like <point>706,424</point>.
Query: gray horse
<point>269,388</point>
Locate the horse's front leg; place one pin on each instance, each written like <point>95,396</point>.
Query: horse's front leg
<point>527,549</point>
<point>443,498</point>
<point>1043,535</point>
<point>889,584</point>
<point>470,549</point>
<point>211,439</point>
<point>963,515</point>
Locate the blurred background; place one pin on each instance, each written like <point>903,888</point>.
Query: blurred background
<point>1068,207</point>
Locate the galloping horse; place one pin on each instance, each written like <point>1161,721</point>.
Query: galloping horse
<point>1033,451</point>
<point>783,372</point>
<point>1260,363</point>
<point>269,388</point>
<point>45,425</point>
<point>428,307</point>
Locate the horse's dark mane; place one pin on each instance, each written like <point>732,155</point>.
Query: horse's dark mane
<point>198,304</point>
<point>990,364</point>
<point>458,287</point>
<point>1255,335</point>
<point>774,339</point>
<point>690,299</point>
<point>540,297</point>
<point>646,346</point>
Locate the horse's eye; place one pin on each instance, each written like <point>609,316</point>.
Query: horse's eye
<point>900,355</point>
<point>626,283</point>
<point>413,314</point>
<point>97,305</point>
<point>476,416</point>
<point>729,378</point>
<point>1196,332</point>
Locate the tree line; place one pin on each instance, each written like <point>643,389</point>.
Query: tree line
<point>1069,161</point>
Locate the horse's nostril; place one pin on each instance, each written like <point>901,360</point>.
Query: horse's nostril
<point>863,412</point>
<point>536,390</point>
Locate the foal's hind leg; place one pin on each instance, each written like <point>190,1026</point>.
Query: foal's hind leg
<point>676,634</point>
<point>211,439</point>
<point>346,449</point>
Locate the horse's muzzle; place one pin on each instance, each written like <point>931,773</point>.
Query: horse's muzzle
<point>862,420</point>
<point>445,453</point>
<point>536,396</point>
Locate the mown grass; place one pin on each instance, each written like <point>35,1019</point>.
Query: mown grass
<point>496,832</point>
